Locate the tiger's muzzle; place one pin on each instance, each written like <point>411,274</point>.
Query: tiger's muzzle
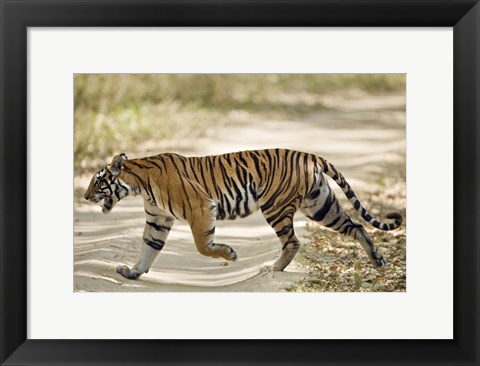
<point>107,204</point>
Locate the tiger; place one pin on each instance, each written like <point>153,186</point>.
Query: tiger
<point>201,190</point>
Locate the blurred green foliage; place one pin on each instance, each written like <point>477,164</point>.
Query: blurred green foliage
<point>115,112</point>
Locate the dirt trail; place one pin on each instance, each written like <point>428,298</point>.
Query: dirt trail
<point>362,137</point>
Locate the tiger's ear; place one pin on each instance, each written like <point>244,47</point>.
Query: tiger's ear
<point>116,165</point>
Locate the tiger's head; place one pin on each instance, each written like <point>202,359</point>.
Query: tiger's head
<point>107,186</point>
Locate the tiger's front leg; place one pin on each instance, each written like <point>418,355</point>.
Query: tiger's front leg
<point>155,234</point>
<point>203,230</point>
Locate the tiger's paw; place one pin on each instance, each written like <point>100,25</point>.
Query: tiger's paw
<point>232,255</point>
<point>266,269</point>
<point>127,273</point>
<point>269,269</point>
<point>378,259</point>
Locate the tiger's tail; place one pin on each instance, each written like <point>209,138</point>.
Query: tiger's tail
<point>330,170</point>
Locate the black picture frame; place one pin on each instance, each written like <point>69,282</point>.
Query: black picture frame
<point>17,15</point>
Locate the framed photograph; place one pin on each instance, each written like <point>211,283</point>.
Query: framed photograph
<point>149,149</point>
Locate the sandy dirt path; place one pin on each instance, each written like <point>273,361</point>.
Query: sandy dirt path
<point>362,137</point>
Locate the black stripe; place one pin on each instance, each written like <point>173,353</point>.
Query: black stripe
<point>320,214</point>
<point>210,232</point>
<point>238,193</point>
<point>237,205</point>
<point>314,194</point>
<point>349,193</point>
<point>141,166</point>
<point>150,192</point>
<point>182,181</point>
<point>305,167</point>
<point>288,242</point>
<point>325,165</point>
<point>267,205</point>
<point>117,194</point>
<point>257,164</point>
<point>348,228</point>
<point>275,215</point>
<point>242,159</point>
<point>150,213</point>
<point>333,222</point>
<point>158,166</point>
<point>156,244</point>
<point>335,173</point>
<point>269,158</point>
<point>202,174</point>
<point>284,230</point>
<point>228,158</point>
<point>228,209</point>
<point>158,227</point>
<point>252,188</point>
<point>245,189</point>
<point>212,173</point>
<point>221,211</point>
<point>226,179</point>
<point>184,213</point>
<point>184,163</point>
<point>286,215</point>
<point>367,217</point>
<point>193,168</point>
<point>170,206</point>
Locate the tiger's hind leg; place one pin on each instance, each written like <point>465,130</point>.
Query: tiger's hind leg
<point>203,230</point>
<point>155,234</point>
<point>326,210</point>
<point>282,222</point>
